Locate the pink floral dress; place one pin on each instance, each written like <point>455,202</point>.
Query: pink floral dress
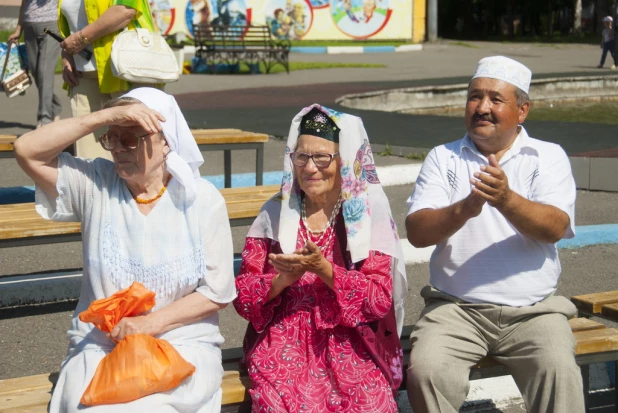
<point>307,355</point>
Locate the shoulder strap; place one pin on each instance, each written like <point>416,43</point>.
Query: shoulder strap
<point>6,61</point>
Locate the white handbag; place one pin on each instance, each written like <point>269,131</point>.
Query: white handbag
<point>143,57</point>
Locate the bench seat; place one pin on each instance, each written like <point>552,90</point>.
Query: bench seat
<point>31,394</point>
<point>21,225</point>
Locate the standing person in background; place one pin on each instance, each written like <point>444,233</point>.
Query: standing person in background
<point>607,41</point>
<point>43,52</point>
<point>94,24</point>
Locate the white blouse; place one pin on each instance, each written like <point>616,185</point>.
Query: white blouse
<point>175,250</point>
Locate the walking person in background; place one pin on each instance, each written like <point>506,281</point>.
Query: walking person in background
<point>43,52</point>
<point>94,24</point>
<point>607,41</point>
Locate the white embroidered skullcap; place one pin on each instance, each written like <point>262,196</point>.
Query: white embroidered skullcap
<point>503,68</point>
<point>608,19</point>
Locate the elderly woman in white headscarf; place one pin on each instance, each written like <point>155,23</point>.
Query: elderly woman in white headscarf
<point>146,217</point>
<point>322,280</point>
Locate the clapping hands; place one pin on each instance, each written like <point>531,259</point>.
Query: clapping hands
<point>492,185</point>
<point>291,267</point>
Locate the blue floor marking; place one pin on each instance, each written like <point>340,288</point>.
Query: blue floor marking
<point>591,235</point>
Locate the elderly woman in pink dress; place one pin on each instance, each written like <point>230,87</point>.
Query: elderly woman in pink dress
<point>323,278</point>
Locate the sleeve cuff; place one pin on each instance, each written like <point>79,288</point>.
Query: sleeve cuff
<point>208,293</point>
<point>58,209</point>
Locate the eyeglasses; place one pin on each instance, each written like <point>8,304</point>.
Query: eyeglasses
<point>130,141</point>
<point>321,160</point>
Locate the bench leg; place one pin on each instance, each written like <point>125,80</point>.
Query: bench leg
<point>585,369</point>
<point>259,165</point>
<point>227,167</point>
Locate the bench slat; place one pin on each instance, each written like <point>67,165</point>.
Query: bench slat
<point>231,138</point>
<point>610,311</point>
<point>596,341</point>
<point>584,324</point>
<point>20,221</point>
<point>593,303</point>
<point>26,401</point>
<point>31,394</point>
<point>41,381</point>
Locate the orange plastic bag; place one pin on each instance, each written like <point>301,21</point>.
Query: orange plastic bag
<point>140,364</point>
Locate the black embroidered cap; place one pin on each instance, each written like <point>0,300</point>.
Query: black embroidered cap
<point>318,123</point>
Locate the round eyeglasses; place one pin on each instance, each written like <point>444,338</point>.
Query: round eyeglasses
<point>321,160</point>
<point>130,141</point>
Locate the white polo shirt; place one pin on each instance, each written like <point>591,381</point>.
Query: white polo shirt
<point>488,260</point>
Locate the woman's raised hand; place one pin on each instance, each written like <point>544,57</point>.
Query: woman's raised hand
<point>134,115</point>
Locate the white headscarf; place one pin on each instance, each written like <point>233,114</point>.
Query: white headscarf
<point>367,214</point>
<point>184,159</point>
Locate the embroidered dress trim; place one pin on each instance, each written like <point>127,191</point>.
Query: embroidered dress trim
<point>166,278</point>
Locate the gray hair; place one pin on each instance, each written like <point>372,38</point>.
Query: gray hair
<point>522,97</point>
<point>121,101</point>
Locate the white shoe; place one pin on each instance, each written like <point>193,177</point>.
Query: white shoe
<point>56,118</point>
<point>613,67</point>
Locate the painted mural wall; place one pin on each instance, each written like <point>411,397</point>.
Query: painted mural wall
<point>294,19</point>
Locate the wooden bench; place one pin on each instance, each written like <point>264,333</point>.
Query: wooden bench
<point>595,343</point>
<point>20,224</point>
<point>603,304</point>
<point>6,146</point>
<point>225,140</point>
<point>32,394</point>
<point>229,46</point>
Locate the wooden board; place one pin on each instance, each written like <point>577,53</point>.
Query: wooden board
<point>19,221</point>
<point>610,311</point>
<point>592,303</point>
<point>32,394</point>
<point>231,138</point>
<point>584,324</point>
<point>6,142</point>
<point>7,138</point>
<point>596,341</point>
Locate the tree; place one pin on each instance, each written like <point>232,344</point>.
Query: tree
<point>577,19</point>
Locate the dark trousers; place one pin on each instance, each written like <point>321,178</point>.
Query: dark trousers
<point>607,47</point>
<point>43,52</point>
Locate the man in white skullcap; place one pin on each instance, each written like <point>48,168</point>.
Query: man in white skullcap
<point>494,204</point>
